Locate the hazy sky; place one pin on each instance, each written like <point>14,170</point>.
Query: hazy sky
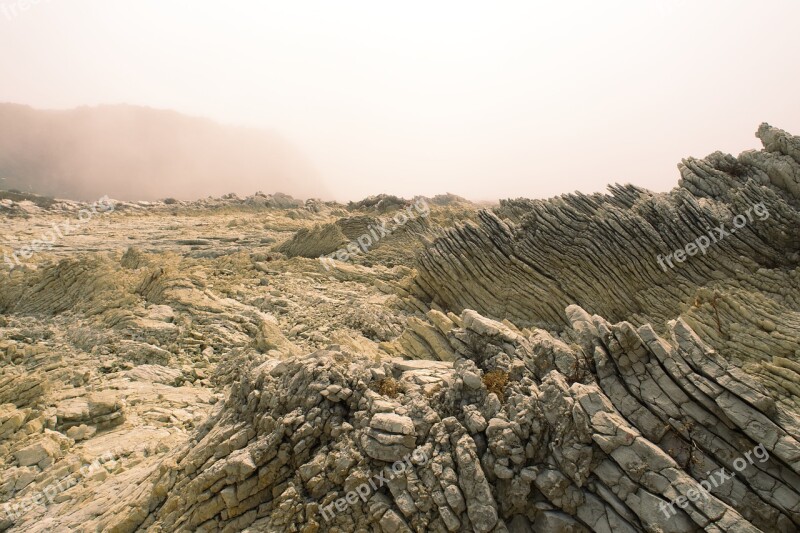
<point>482,99</point>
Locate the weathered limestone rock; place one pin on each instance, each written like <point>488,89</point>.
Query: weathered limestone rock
<point>11,419</point>
<point>102,409</point>
<point>565,451</point>
<point>536,371</point>
<point>314,242</point>
<point>39,453</point>
<point>529,259</point>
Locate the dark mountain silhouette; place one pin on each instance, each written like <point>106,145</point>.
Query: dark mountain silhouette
<point>138,153</point>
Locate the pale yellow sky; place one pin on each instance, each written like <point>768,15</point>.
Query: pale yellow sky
<point>482,99</point>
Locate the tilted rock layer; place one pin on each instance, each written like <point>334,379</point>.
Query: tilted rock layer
<point>529,260</point>
<point>539,370</point>
<point>597,435</point>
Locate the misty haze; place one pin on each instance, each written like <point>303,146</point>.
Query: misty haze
<point>517,267</point>
<point>137,153</point>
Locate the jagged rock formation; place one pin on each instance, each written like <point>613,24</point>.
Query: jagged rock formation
<point>596,435</point>
<point>120,337</point>
<point>538,369</point>
<point>374,232</point>
<point>528,260</point>
<point>314,242</point>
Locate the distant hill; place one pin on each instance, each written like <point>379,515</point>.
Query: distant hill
<point>138,153</point>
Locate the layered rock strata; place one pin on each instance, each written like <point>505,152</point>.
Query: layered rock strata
<point>529,259</point>
<point>539,369</point>
<point>599,434</point>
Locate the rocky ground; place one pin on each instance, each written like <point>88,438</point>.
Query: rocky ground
<point>531,366</point>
